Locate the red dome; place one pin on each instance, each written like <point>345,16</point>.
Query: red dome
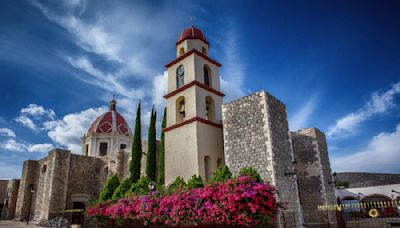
<point>111,121</point>
<point>192,33</point>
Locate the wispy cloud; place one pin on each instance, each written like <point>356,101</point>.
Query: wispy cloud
<point>379,103</point>
<point>7,132</point>
<point>301,118</point>
<point>26,121</point>
<point>381,155</point>
<point>232,80</point>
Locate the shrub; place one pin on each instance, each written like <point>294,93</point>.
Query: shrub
<point>222,174</point>
<point>109,187</point>
<point>239,202</point>
<point>122,189</point>
<point>251,172</point>
<point>194,182</point>
<point>179,183</point>
<point>141,187</point>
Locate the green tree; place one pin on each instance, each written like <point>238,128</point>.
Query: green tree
<point>151,163</point>
<point>109,187</point>
<point>136,148</point>
<point>251,172</point>
<point>161,159</point>
<point>122,189</point>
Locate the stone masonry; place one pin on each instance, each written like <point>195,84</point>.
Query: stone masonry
<point>256,134</point>
<point>57,181</point>
<point>314,176</point>
<point>11,199</point>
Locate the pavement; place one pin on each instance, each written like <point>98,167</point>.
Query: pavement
<point>15,224</point>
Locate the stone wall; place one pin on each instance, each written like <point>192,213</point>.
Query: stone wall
<point>256,134</point>
<point>314,174</point>
<point>24,194</point>
<point>11,199</point>
<point>358,180</point>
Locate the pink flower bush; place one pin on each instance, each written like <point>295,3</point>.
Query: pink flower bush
<point>241,201</point>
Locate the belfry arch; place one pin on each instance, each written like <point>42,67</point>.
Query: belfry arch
<point>180,109</point>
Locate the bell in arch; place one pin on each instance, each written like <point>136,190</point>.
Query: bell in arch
<point>182,109</point>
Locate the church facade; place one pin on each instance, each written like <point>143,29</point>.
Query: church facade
<point>202,134</point>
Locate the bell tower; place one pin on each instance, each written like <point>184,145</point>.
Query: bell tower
<point>193,135</point>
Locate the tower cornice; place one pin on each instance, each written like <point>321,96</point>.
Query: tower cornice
<point>191,120</point>
<point>194,83</point>
<point>193,51</point>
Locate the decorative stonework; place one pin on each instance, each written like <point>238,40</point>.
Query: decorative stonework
<point>256,134</point>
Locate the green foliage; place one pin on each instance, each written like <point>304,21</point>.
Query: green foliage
<point>161,160</point>
<point>151,163</point>
<point>134,166</point>
<point>179,183</point>
<point>141,187</point>
<point>342,184</point>
<point>194,182</point>
<point>249,171</point>
<point>109,187</point>
<point>122,189</point>
<point>222,174</point>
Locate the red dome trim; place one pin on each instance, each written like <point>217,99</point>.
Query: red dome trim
<point>197,53</point>
<point>192,33</point>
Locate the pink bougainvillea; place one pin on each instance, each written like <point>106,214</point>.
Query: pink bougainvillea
<point>241,201</point>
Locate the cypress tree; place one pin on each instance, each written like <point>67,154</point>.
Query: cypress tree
<point>136,148</point>
<point>161,160</point>
<point>151,165</point>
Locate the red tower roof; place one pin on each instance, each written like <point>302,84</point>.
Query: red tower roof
<point>111,121</point>
<point>192,33</point>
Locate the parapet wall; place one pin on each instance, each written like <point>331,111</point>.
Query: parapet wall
<point>256,134</point>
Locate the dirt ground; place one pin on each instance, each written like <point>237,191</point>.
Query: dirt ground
<point>15,224</point>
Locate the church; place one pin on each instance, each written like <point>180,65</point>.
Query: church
<point>202,134</point>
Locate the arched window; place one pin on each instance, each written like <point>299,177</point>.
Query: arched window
<point>103,149</point>
<point>44,168</point>
<point>207,75</point>
<point>219,162</point>
<point>180,76</point>
<point>181,51</point>
<point>204,50</point>
<point>207,167</point>
<point>180,109</point>
<point>210,109</point>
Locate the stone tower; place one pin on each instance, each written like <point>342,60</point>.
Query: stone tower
<point>256,134</point>
<point>193,136</point>
<point>314,175</point>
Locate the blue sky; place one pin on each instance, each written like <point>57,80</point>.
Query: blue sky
<point>336,65</point>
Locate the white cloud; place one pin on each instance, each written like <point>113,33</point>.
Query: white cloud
<point>41,148</point>
<point>378,104</point>
<point>15,146</point>
<point>34,115</point>
<point>301,118</point>
<point>37,111</point>
<point>7,132</point>
<point>381,155</point>
<point>160,86</point>
<point>69,131</point>
<point>26,121</point>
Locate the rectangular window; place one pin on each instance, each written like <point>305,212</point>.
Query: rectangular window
<point>103,149</point>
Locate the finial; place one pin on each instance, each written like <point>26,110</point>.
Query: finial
<point>113,103</point>
<point>191,20</point>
